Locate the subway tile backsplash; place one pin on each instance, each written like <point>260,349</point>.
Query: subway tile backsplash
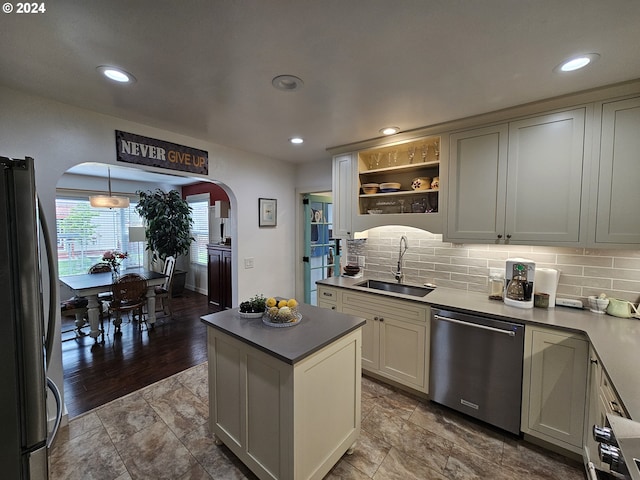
<point>584,271</point>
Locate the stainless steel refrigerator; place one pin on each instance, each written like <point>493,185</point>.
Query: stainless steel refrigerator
<point>25,334</point>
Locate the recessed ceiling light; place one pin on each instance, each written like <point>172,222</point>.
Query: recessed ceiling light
<point>389,130</point>
<point>116,74</point>
<point>287,83</point>
<point>296,140</point>
<point>577,62</point>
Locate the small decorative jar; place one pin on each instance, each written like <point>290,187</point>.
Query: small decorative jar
<point>421,183</point>
<point>496,287</point>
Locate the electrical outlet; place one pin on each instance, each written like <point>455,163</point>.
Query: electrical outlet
<point>361,261</point>
<point>248,262</point>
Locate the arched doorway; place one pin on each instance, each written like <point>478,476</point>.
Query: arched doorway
<point>90,371</point>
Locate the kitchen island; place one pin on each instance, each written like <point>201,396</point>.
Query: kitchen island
<point>285,401</point>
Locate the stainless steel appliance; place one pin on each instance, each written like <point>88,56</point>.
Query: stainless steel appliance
<point>24,344</point>
<point>476,366</point>
<point>520,275</point>
<point>619,447</point>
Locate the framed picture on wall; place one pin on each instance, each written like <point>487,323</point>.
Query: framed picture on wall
<point>267,212</point>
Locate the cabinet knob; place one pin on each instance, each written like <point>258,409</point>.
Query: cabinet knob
<point>375,318</point>
<point>499,235</point>
<point>508,235</point>
<point>381,319</point>
<point>333,308</point>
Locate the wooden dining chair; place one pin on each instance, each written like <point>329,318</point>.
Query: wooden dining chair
<point>163,292</point>
<point>129,295</point>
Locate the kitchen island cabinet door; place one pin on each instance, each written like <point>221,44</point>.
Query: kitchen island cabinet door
<point>617,219</point>
<point>285,421</point>
<point>555,387</point>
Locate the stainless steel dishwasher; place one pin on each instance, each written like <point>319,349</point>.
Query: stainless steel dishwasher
<point>476,366</point>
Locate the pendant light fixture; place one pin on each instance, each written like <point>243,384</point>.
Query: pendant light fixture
<point>104,201</point>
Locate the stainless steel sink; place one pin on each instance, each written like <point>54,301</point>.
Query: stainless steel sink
<point>413,290</point>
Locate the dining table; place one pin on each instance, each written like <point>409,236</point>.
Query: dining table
<point>90,285</point>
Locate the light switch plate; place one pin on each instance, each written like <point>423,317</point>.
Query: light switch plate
<point>248,262</point>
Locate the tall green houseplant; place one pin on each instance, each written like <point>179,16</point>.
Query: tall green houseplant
<point>168,223</point>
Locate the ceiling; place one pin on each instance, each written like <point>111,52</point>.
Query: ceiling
<point>204,67</point>
<point>119,172</point>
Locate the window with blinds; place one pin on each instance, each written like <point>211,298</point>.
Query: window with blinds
<point>200,228</point>
<point>85,233</point>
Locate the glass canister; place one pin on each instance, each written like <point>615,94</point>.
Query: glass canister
<point>496,286</point>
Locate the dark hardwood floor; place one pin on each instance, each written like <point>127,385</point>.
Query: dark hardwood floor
<point>95,374</point>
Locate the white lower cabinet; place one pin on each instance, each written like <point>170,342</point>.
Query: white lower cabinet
<point>395,339</point>
<point>327,297</point>
<point>603,400</point>
<point>285,421</point>
<point>555,387</point>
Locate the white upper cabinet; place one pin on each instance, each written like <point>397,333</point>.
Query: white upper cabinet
<point>618,197</point>
<point>519,182</point>
<point>343,185</point>
<point>477,184</point>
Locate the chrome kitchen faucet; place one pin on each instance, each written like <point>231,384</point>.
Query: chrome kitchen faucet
<point>398,273</point>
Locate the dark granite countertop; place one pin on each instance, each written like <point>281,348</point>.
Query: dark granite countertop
<point>318,328</point>
<point>615,340</point>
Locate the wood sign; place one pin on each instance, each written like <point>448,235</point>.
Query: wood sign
<point>132,148</point>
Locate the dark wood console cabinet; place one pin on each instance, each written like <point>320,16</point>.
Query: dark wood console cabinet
<point>219,271</point>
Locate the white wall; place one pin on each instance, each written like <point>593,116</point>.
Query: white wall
<point>59,136</point>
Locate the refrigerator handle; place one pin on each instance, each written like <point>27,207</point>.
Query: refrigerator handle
<point>56,394</point>
<point>53,285</point>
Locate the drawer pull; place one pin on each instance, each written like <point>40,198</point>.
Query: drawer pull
<point>327,294</point>
<point>615,408</point>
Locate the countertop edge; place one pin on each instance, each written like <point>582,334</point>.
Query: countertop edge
<point>265,341</point>
<point>288,360</point>
<point>616,341</point>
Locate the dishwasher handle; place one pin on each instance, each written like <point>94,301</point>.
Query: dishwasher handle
<point>476,325</point>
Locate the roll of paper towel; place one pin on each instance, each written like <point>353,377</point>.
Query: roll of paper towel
<point>546,281</point>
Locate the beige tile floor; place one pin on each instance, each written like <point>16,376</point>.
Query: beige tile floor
<point>160,432</point>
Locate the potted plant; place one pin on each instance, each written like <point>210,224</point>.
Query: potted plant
<point>168,223</point>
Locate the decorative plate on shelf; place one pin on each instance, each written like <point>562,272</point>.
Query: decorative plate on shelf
<point>267,321</point>
<point>250,314</point>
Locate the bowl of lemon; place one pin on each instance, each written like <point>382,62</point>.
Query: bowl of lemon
<point>281,312</point>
